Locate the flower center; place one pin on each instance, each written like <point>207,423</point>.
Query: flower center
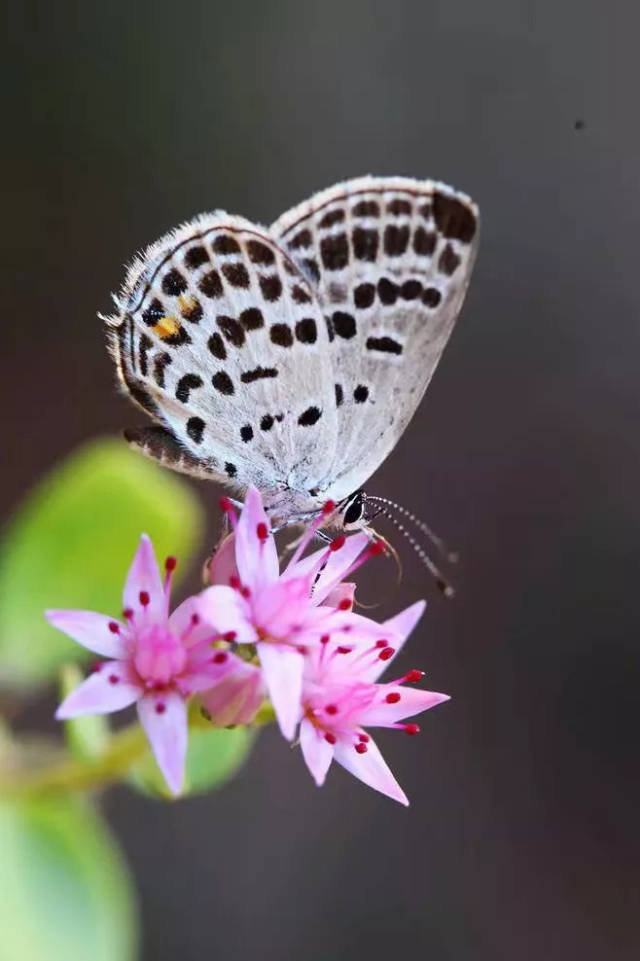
<point>159,656</point>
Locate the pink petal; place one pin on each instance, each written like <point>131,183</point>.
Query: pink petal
<point>401,626</point>
<point>282,669</point>
<point>144,576</point>
<point>371,768</point>
<point>164,719</point>
<point>91,630</point>
<point>237,695</point>
<point>412,701</point>
<point>222,566</point>
<point>338,563</point>
<point>257,559</point>
<point>317,752</point>
<point>342,592</point>
<point>225,610</point>
<point>181,624</point>
<point>108,689</point>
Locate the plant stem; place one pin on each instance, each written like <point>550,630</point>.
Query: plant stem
<point>125,747</point>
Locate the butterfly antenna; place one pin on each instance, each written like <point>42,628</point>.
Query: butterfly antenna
<point>442,584</point>
<point>451,556</point>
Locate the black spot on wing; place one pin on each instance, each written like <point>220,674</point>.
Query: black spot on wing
<point>231,329</point>
<point>195,257</point>
<point>185,385</point>
<point>258,373</point>
<point>386,345</point>
<point>344,324</point>
<point>360,394</point>
<point>306,331</point>
<point>211,285</point>
<point>259,253</point>
<point>281,335</point>
<point>364,295</point>
<point>365,243</point>
<point>310,416</point>
<point>223,383</point>
<point>226,244</point>
<point>195,429</point>
<point>246,433</point>
<point>160,363</point>
<point>334,251</point>
<point>216,346</point>
<point>453,218</point>
<point>236,274</point>
<point>271,287</point>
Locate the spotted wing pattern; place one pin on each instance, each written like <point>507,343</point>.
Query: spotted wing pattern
<point>221,340</point>
<point>390,259</point>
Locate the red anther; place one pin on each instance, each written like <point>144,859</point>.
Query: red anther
<point>234,582</point>
<point>344,650</point>
<point>361,747</point>
<point>161,707</point>
<point>337,543</point>
<point>245,592</point>
<point>159,686</point>
<point>97,667</point>
<point>331,708</point>
<point>114,627</point>
<point>127,613</point>
<point>381,644</point>
<point>170,564</point>
<point>303,650</point>
<point>325,639</point>
<point>113,679</point>
<point>328,507</point>
<point>412,676</point>
<point>386,654</point>
<point>377,547</point>
<point>345,604</point>
<point>229,636</point>
<point>144,598</point>
<point>220,657</point>
<point>412,729</point>
<point>262,531</point>
<point>364,738</point>
<point>195,619</point>
<point>330,738</point>
<point>225,505</point>
<point>392,698</point>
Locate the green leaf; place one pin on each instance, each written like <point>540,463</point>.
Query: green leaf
<point>213,757</point>
<point>71,543</point>
<point>66,891</point>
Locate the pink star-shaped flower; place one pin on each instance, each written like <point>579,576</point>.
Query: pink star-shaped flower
<point>283,614</point>
<point>155,659</point>
<point>341,697</point>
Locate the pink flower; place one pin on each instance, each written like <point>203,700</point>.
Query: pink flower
<point>282,613</point>
<point>156,659</point>
<point>340,698</point>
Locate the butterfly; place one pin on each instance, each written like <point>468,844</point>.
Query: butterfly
<point>292,357</point>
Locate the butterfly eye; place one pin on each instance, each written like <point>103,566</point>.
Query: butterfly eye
<point>354,511</point>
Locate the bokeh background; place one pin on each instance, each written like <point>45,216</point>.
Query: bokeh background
<point>126,118</point>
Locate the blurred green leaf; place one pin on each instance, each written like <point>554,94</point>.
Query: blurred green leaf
<point>71,543</point>
<point>213,757</point>
<point>66,891</point>
<point>87,735</point>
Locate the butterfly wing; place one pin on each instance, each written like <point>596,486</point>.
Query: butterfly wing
<point>222,341</point>
<point>390,259</point>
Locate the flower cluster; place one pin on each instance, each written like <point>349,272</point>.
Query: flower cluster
<point>258,631</point>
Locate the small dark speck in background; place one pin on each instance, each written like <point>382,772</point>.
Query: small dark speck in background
<point>579,124</point>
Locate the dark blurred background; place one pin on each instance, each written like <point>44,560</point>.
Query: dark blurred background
<point>126,118</point>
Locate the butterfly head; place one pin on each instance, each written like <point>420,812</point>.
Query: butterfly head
<point>357,512</point>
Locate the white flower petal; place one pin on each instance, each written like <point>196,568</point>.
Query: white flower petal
<point>144,576</point>
<point>164,719</point>
<point>108,689</point>
<point>282,669</point>
<point>317,752</point>
<point>91,630</point>
<point>371,768</point>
